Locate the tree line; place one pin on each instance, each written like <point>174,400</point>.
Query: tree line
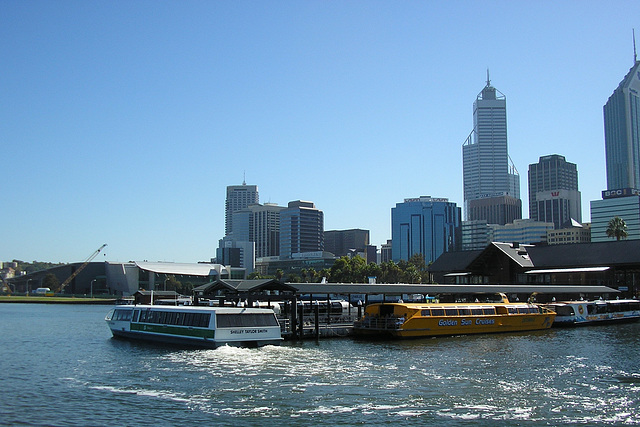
<point>356,270</point>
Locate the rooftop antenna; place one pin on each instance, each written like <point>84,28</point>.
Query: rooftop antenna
<point>635,55</point>
<point>488,81</point>
<point>244,178</point>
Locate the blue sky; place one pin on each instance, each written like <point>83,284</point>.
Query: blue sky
<point>124,121</point>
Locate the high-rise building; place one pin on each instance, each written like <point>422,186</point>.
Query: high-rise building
<point>259,224</point>
<point>424,225</point>
<point>553,191</point>
<point>475,235</point>
<point>266,229</point>
<point>301,229</point>
<point>615,203</point>
<point>345,242</point>
<point>385,252</point>
<point>238,197</point>
<point>525,231</point>
<point>622,132</point>
<point>487,170</point>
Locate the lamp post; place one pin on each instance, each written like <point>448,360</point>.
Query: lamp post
<point>92,288</point>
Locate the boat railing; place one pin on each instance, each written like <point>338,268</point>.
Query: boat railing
<point>382,323</point>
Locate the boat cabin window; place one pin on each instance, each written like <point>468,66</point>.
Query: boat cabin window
<point>564,310</point>
<point>601,308</point>
<point>136,314</point>
<point>124,315</point>
<point>476,311</point>
<point>513,310</point>
<point>425,312</point>
<point>176,318</point>
<point>246,319</point>
<point>437,311</point>
<point>489,311</point>
<point>451,311</point>
<point>464,311</point>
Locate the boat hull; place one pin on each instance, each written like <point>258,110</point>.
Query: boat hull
<point>447,326</point>
<point>190,342</point>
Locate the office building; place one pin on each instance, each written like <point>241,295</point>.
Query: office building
<point>236,253</point>
<point>499,210</point>
<point>238,197</point>
<point>622,132</point>
<point>301,229</point>
<point>524,231</point>
<point>476,235</point>
<point>259,224</point>
<point>424,225</point>
<point>346,242</point>
<point>487,170</point>
<point>574,232</point>
<point>553,191</point>
<point>624,204</point>
<point>385,252</point>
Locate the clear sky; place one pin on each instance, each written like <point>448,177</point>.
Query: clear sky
<point>122,122</point>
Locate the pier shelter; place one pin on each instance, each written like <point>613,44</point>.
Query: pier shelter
<point>248,291</point>
<point>613,264</point>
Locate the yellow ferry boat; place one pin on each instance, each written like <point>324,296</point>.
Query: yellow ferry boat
<point>413,320</point>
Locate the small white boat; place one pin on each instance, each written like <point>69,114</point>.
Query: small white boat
<point>207,327</point>
<point>576,313</point>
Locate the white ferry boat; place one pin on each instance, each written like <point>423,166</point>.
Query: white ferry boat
<point>576,313</point>
<point>208,327</point>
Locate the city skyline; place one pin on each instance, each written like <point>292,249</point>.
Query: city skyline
<point>127,131</point>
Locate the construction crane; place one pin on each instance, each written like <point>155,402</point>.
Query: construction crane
<point>79,269</point>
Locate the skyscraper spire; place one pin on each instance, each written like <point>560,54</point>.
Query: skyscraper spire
<point>244,178</point>
<point>635,55</point>
<point>489,81</point>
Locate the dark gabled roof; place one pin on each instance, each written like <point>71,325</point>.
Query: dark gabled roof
<point>516,253</point>
<point>239,285</point>
<point>586,254</point>
<point>454,261</point>
<point>157,293</point>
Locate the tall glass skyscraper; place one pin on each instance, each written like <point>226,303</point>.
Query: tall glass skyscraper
<point>424,225</point>
<point>487,171</point>
<point>622,132</point>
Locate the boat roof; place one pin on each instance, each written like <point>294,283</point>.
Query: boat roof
<point>598,301</point>
<point>185,308</point>
<point>420,305</point>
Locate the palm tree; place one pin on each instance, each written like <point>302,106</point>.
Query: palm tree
<point>617,228</point>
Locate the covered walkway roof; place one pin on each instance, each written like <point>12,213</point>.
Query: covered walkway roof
<point>400,288</point>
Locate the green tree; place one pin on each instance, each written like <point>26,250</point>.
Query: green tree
<point>617,228</point>
<point>391,272</point>
<point>257,276</point>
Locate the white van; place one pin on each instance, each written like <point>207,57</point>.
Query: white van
<point>41,291</point>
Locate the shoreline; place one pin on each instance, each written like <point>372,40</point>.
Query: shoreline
<point>55,300</point>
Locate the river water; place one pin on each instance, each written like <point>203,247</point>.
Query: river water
<point>60,367</point>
